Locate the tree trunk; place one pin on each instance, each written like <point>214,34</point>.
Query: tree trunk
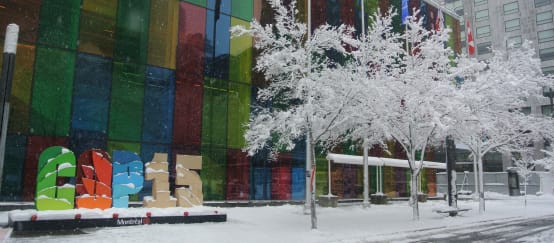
<point>413,195</point>
<point>475,178</point>
<point>525,190</point>
<point>481,187</point>
<point>311,151</point>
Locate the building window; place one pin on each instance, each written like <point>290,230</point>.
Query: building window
<point>511,25</point>
<point>548,70</point>
<point>480,2</point>
<point>544,17</point>
<point>546,54</point>
<point>546,110</point>
<point>510,8</point>
<point>540,3</point>
<point>482,15</point>
<point>514,42</point>
<point>546,35</point>
<point>483,31</point>
<point>484,48</point>
<point>526,110</point>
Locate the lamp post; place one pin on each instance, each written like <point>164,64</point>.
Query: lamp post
<point>10,47</point>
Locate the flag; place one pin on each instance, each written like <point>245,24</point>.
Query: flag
<point>404,11</point>
<point>470,43</point>
<point>439,23</point>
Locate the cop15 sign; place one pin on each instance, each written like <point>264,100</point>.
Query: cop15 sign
<point>104,182</point>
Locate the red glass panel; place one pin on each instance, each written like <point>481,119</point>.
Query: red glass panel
<point>238,175</point>
<point>23,12</point>
<point>190,45</point>
<point>319,12</point>
<point>347,12</point>
<point>281,177</point>
<point>187,119</point>
<point>35,146</point>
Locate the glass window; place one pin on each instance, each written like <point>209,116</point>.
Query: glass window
<point>191,44</point>
<point>546,110</point>
<point>480,2</point>
<point>482,15</point>
<point>546,35</point>
<point>526,110</point>
<point>511,25</point>
<point>510,8</point>
<point>131,42</point>
<point>52,92</point>
<point>96,34</point>
<point>514,41</point>
<point>59,24</point>
<point>25,14</point>
<point>540,3</point>
<point>159,88</point>
<point>127,91</point>
<point>162,38</point>
<point>484,48</point>
<point>544,17</point>
<point>242,9</point>
<point>548,70</point>
<point>546,54</point>
<point>483,31</point>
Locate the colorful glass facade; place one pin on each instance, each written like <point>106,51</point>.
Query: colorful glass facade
<point>162,76</point>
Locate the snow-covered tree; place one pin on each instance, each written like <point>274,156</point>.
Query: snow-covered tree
<point>308,89</point>
<point>408,97</point>
<point>525,167</point>
<point>490,118</point>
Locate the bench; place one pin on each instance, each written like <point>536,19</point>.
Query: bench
<point>452,212</point>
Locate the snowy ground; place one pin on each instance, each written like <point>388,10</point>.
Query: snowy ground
<point>347,223</point>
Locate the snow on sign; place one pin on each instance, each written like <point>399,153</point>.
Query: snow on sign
<point>99,184</point>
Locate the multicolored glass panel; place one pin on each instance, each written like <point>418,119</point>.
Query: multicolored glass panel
<point>163,76</point>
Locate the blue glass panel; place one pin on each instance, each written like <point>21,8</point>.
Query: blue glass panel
<point>299,153</point>
<point>92,93</point>
<point>159,92</point>
<point>261,183</point>
<point>147,153</point>
<point>261,176</point>
<point>333,12</point>
<point>217,46</point>
<point>224,5</point>
<point>298,183</point>
<point>14,163</point>
<point>82,140</point>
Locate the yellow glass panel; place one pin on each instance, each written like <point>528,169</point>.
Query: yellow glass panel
<point>21,88</point>
<point>162,39</point>
<point>96,35</point>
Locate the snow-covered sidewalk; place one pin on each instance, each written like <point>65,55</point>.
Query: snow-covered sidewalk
<point>347,223</point>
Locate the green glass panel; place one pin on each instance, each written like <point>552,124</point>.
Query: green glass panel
<point>242,9</point>
<point>239,105</point>
<point>322,175</point>
<point>162,41</point>
<point>197,2</point>
<point>59,23</point>
<point>124,146</point>
<point>423,176</point>
<point>397,20</point>
<point>132,31</point>
<point>240,63</point>
<point>214,112</point>
<point>126,102</point>
<point>372,179</point>
<point>97,29</point>
<point>213,172</point>
<point>301,6</point>
<point>21,88</point>
<point>52,92</point>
